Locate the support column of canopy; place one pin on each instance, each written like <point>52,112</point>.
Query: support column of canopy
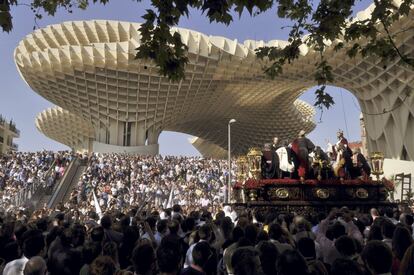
<point>153,135</point>
<point>141,133</point>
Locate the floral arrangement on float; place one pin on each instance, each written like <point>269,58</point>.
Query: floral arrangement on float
<point>388,184</point>
<point>255,184</point>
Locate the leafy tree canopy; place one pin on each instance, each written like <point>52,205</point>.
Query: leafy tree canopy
<point>328,20</point>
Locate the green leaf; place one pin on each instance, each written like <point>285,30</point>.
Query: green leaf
<point>323,73</point>
<point>323,99</point>
<point>6,21</point>
<point>339,46</point>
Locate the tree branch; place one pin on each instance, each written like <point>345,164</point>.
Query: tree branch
<point>397,50</point>
<point>402,31</point>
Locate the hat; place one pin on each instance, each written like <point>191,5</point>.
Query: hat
<point>302,133</point>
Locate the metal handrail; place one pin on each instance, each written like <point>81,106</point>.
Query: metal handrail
<point>26,193</point>
<point>51,169</point>
<point>69,172</point>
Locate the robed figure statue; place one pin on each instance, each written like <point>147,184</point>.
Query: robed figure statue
<point>270,163</point>
<point>361,166</point>
<point>342,141</point>
<point>287,160</point>
<point>302,146</point>
<point>343,167</point>
<point>321,164</point>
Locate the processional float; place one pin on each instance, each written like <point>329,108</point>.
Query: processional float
<point>251,190</point>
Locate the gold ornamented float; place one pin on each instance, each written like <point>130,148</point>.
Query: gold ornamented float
<point>251,190</point>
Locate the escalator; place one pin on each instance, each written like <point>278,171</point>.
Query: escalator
<point>42,194</point>
<point>68,182</point>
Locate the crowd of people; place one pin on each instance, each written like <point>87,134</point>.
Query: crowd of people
<point>132,214</point>
<point>116,181</point>
<point>139,240</point>
<point>20,170</point>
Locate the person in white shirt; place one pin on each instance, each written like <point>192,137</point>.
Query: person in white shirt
<point>205,234</point>
<point>204,202</point>
<point>16,267</point>
<point>33,245</point>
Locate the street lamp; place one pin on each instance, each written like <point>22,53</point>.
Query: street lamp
<point>231,121</point>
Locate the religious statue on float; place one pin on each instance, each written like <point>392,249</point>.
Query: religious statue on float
<point>302,146</point>
<point>288,161</point>
<point>270,162</point>
<point>279,160</point>
<point>361,166</point>
<point>341,139</point>
<point>301,159</point>
<point>343,167</point>
<point>321,164</point>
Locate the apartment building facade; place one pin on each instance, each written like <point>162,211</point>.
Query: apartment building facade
<point>8,132</point>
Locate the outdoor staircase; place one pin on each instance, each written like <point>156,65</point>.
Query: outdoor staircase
<point>68,182</point>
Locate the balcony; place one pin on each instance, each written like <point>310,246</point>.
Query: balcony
<point>13,128</point>
<point>14,147</point>
<point>9,125</point>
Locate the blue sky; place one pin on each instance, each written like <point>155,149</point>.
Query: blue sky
<point>20,103</point>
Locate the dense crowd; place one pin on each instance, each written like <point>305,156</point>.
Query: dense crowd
<point>141,241</point>
<point>20,170</point>
<point>164,215</point>
<point>120,181</point>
